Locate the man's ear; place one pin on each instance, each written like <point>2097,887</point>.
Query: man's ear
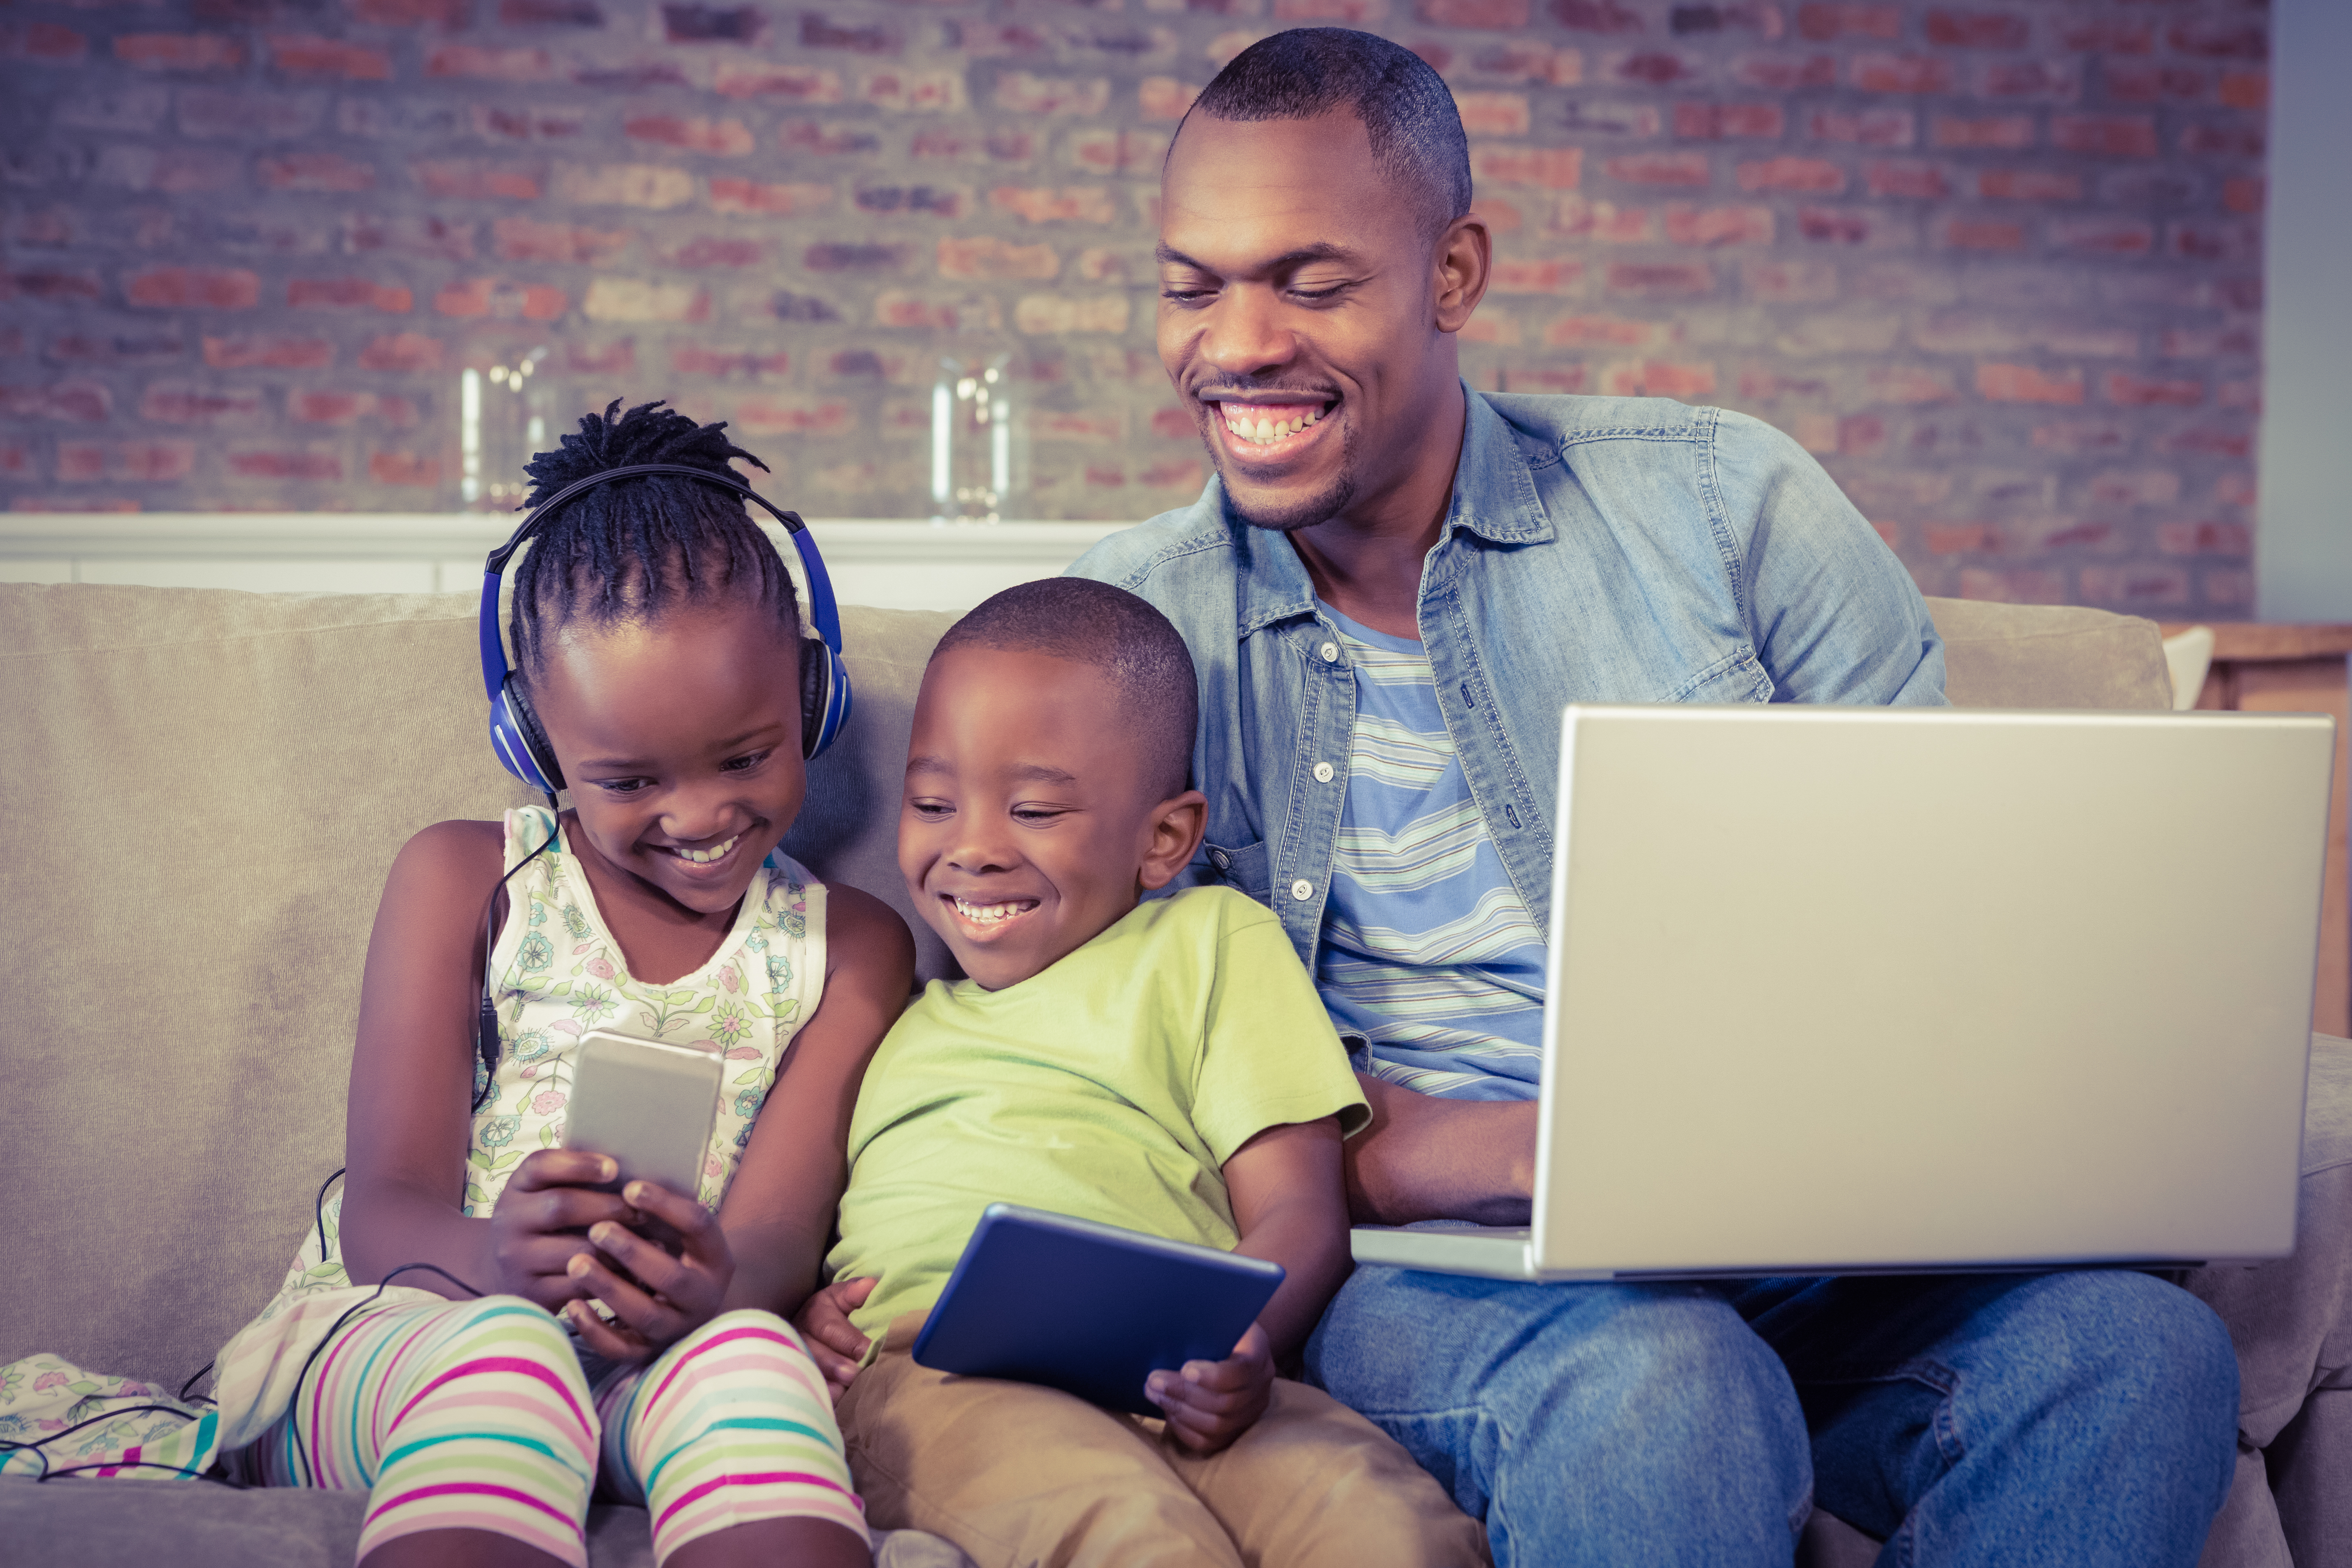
<point>1464,263</point>
<point>1177,825</point>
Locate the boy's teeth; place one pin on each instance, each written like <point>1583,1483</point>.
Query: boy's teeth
<point>988,913</point>
<point>705,856</point>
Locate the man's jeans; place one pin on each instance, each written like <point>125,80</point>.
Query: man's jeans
<point>2080,1419</point>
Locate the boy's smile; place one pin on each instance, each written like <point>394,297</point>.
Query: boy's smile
<point>1029,827</point>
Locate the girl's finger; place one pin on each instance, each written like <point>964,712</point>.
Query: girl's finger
<point>653,1267</point>
<point>600,1336</point>
<point>697,1226</point>
<point>659,1324</point>
<point>544,1168</point>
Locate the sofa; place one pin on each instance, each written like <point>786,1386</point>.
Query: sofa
<point>200,792</point>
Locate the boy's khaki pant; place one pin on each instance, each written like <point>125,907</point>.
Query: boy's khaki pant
<point>1023,1477</point>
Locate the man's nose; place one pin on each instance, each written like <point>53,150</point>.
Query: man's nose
<point>1246,333</point>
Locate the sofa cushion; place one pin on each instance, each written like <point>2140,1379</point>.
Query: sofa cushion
<point>2049,656</point>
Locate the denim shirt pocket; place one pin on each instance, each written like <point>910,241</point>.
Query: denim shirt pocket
<point>1248,869</point>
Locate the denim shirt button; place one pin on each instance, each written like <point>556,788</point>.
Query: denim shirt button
<point>1330,652</point>
<point>1322,773</point>
<point>1220,859</point>
<point>1302,889</point>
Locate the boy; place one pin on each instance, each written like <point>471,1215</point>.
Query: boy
<point>1164,1066</point>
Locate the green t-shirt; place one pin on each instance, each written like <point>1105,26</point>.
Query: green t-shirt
<point>1113,1086</point>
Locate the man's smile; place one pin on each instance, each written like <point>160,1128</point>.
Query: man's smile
<point>1269,427</point>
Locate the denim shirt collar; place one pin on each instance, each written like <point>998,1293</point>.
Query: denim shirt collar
<point>1494,498</point>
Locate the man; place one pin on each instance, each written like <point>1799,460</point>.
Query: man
<point>1390,589</point>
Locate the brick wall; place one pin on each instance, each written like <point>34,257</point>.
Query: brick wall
<point>1999,265</point>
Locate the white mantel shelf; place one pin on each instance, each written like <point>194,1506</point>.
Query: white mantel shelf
<point>908,564</point>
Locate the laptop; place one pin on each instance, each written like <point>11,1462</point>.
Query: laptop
<point>1839,990</point>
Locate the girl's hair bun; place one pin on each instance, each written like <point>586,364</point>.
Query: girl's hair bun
<point>649,433</point>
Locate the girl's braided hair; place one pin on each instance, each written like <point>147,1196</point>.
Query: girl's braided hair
<point>635,548</point>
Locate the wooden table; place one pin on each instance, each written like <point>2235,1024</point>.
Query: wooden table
<point>2300,669</point>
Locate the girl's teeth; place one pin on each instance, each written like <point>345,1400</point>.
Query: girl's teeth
<point>705,856</point>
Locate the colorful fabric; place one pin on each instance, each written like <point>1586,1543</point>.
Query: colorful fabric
<point>1113,1086</point>
<point>1427,951</point>
<point>480,1416</point>
<point>56,1418</point>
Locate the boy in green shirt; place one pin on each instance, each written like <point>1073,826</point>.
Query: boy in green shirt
<point>1166,1067</point>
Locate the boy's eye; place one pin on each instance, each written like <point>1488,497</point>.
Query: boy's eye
<point>1035,816</point>
<point>932,810</point>
<point>744,765</point>
<point>624,786</point>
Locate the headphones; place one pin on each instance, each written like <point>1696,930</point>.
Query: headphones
<point>515,732</point>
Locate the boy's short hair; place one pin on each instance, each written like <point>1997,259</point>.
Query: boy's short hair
<point>1111,630</point>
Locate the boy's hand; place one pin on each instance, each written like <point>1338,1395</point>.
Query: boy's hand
<point>656,1298</point>
<point>1210,1403</point>
<point>833,1342</point>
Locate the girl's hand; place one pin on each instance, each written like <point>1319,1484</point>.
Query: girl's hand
<point>1209,1404</point>
<point>654,1298</point>
<point>537,1228</point>
<point>833,1342</point>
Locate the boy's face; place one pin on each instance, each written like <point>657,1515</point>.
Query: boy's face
<point>1029,826</point>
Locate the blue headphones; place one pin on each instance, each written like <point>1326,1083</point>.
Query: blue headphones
<point>515,732</point>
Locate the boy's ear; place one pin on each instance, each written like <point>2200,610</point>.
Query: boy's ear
<point>1177,825</point>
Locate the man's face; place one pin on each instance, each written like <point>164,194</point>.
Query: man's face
<point>1296,313</point>
<point>1028,827</point>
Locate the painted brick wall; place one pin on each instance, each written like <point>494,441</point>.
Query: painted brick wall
<point>1999,264</point>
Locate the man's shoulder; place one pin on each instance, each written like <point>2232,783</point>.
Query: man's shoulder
<point>1557,421</point>
<point>1129,558</point>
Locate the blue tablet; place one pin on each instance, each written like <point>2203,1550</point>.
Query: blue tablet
<point>1088,1309</point>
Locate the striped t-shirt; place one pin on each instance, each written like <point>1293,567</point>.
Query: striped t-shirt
<point>1427,950</point>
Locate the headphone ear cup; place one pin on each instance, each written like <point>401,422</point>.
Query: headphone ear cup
<point>816,682</point>
<point>516,707</point>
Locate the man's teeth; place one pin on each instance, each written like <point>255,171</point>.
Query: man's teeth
<point>1253,425</point>
<point>705,856</point>
<point>988,914</point>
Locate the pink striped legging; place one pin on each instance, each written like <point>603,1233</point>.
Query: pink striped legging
<point>477,1415</point>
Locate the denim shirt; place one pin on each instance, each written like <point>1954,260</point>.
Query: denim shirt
<point>1596,549</point>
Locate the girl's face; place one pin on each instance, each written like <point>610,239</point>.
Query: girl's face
<point>681,742</point>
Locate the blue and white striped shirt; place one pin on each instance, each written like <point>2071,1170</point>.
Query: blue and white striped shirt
<point>1426,949</point>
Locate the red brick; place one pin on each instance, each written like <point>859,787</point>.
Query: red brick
<point>316,406</point>
<point>57,287</point>
<point>2103,235</point>
<point>1563,275</point>
<point>1834,225</point>
<point>528,239</point>
<point>1493,15</point>
<point>2015,585</point>
<point>2091,31</point>
<point>1595,17</point>
<point>1660,279</point>
<point>298,55</point>
<point>1961,538</point>
<point>1493,113</point>
<point>316,171</point>
<point>1556,168</point>
<point>249,116</point>
<point>2246,90</point>
<point>46,42</point>
<point>2208,440</point>
<point>1983,233</point>
<point>2207,343</point>
<point>1071,204</point>
<point>2245,195</point>
<point>2152,82</point>
<point>718,137</point>
<point>169,170</point>
<point>2026,383</point>
<point>733,196</point>
<point>2215,241</point>
<point>1121,152</point>
<point>467,178</point>
<point>1653,67</point>
<point>1164,98</point>
<point>52,229</point>
<point>2223,140</point>
<point>443,13</point>
<point>844,256</point>
<point>401,351</point>
<point>139,462</point>
<point>1791,174</point>
<point>1900,73</point>
<point>827,140</point>
<point>701,252</point>
<point>1822,23</point>
<point>348,294</point>
<point>2008,132</point>
<point>1548,378</point>
<point>2029,185</point>
<point>1000,40</point>
<point>1687,224</point>
<point>1173,424</point>
<point>501,299</point>
<point>180,51</point>
<point>406,469</point>
<point>2107,135</point>
<point>1919,182</point>
<point>949,202</point>
<point>792,416</point>
<point>983,256</point>
<point>617,359</point>
<point>1653,378</point>
<point>1056,313</point>
<point>1661,169</point>
<point>1172,475</point>
<point>144,344</point>
<point>250,351</point>
<point>692,360</point>
<point>2219,40</point>
<point>181,402</point>
<point>1977,29</point>
<point>2144,487</point>
<point>760,79</point>
<point>1727,121</point>
<point>638,299</point>
<point>1019,92</point>
<point>285,464</point>
<point>2058,80</point>
<point>2132,392</point>
<point>1907,384</point>
<point>654,187</point>
<point>488,64</point>
<point>821,32</point>
<point>1867,128</point>
<point>1501,216</point>
<point>1785,73</point>
<point>2234,489</point>
<point>213,288</point>
<point>2134,585</point>
<point>1087,429</point>
<point>1605,222</point>
<point>1791,282</point>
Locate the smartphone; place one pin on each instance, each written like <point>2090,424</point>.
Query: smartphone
<point>651,1107</point>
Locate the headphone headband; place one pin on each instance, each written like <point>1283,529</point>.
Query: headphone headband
<point>514,729</point>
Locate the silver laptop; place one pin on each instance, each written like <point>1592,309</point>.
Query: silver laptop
<point>1849,989</point>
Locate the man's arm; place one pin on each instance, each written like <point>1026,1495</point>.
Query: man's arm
<point>1426,1158</point>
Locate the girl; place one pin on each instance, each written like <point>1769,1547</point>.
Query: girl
<point>436,1344</point>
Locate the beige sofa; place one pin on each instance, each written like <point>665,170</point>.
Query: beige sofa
<point>199,793</point>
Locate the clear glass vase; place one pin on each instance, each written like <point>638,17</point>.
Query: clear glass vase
<point>977,445</point>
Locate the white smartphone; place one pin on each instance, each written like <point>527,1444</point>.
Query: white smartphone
<point>649,1106</point>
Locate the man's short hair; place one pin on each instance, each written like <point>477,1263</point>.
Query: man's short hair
<point>1111,630</point>
<point>1409,114</point>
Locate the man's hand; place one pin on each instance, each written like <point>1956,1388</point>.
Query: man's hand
<point>656,1298</point>
<point>833,1342</point>
<point>1426,1158</point>
<point>1208,1404</point>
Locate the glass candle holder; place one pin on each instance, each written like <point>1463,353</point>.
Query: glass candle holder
<point>976,439</point>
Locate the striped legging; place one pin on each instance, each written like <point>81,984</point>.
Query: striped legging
<point>479,1416</point>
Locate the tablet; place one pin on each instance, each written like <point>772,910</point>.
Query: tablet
<point>1088,1309</point>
